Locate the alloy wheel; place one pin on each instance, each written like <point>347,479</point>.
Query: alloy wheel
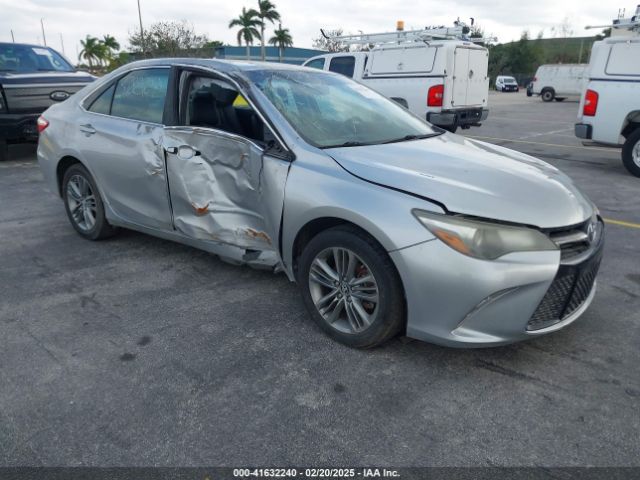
<point>635,153</point>
<point>344,290</point>
<point>81,202</point>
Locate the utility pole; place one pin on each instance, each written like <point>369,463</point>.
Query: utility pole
<point>62,44</point>
<point>44,39</point>
<point>141,29</point>
<point>12,37</point>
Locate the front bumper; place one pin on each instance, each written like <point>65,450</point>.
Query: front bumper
<point>583,130</point>
<point>19,127</point>
<point>458,118</point>
<point>510,88</point>
<point>458,301</point>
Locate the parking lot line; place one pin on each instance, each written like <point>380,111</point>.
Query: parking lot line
<point>622,223</point>
<point>599,149</point>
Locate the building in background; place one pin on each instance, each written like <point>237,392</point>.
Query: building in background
<point>291,55</point>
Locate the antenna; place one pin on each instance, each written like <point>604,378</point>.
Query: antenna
<point>631,24</point>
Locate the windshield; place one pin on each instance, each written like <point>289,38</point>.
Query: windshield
<point>332,111</point>
<point>509,80</point>
<point>26,59</point>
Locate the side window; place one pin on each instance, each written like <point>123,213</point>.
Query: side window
<point>343,65</point>
<point>214,103</point>
<point>140,95</point>
<point>102,104</point>
<point>317,63</point>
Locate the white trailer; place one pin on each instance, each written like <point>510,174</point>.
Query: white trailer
<point>436,73</point>
<point>609,111</point>
<point>559,81</point>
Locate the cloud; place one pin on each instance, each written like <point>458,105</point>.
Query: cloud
<point>74,19</point>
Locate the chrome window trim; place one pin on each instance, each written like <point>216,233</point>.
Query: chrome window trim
<point>224,133</point>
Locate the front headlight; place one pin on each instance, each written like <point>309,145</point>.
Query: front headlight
<point>483,240</point>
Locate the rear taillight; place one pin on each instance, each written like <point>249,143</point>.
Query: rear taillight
<point>435,95</point>
<point>43,123</point>
<point>590,103</point>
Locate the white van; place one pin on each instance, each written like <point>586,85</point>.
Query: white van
<point>610,106</point>
<point>444,81</point>
<point>506,84</point>
<point>559,81</point>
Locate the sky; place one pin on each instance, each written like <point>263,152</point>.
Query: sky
<point>68,21</point>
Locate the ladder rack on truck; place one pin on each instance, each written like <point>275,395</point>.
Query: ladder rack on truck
<point>460,31</point>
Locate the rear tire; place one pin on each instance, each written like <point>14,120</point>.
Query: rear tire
<point>547,94</point>
<point>331,273</point>
<point>83,204</point>
<point>631,153</point>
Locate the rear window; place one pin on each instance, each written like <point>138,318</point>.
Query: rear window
<point>343,65</point>
<point>140,95</point>
<point>102,104</point>
<point>317,63</point>
<point>28,59</point>
<point>620,59</point>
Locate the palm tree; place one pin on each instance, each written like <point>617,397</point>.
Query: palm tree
<point>92,50</point>
<point>266,12</point>
<point>247,21</point>
<point>281,39</point>
<point>110,45</point>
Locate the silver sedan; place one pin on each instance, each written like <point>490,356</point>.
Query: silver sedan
<point>387,223</point>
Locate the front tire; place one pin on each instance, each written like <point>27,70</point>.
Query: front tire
<point>84,205</point>
<point>351,287</point>
<point>631,153</point>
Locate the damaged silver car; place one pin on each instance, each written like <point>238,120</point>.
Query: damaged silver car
<point>387,223</point>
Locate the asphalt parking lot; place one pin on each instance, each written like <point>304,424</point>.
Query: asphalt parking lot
<point>138,351</point>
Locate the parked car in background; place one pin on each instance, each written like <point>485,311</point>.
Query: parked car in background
<point>610,106</point>
<point>444,81</point>
<point>31,79</point>
<point>557,82</point>
<point>386,223</point>
<point>506,84</point>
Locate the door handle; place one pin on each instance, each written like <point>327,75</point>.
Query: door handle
<point>88,129</point>
<point>184,151</point>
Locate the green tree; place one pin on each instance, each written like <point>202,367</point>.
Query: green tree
<point>248,22</point>
<point>92,51</point>
<point>324,43</point>
<point>266,12</point>
<point>281,39</point>
<point>110,45</point>
<point>168,39</point>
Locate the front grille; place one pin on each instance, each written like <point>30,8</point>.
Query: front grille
<point>573,282</point>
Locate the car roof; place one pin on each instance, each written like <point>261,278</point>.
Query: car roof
<point>12,44</point>
<point>225,66</point>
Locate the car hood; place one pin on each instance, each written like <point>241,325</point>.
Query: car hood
<point>473,178</point>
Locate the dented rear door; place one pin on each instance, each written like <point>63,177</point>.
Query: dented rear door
<point>223,188</point>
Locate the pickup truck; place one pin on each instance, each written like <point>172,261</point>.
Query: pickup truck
<point>610,104</point>
<point>442,81</point>
<point>32,78</point>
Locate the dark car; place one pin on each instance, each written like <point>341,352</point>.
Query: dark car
<point>32,78</point>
